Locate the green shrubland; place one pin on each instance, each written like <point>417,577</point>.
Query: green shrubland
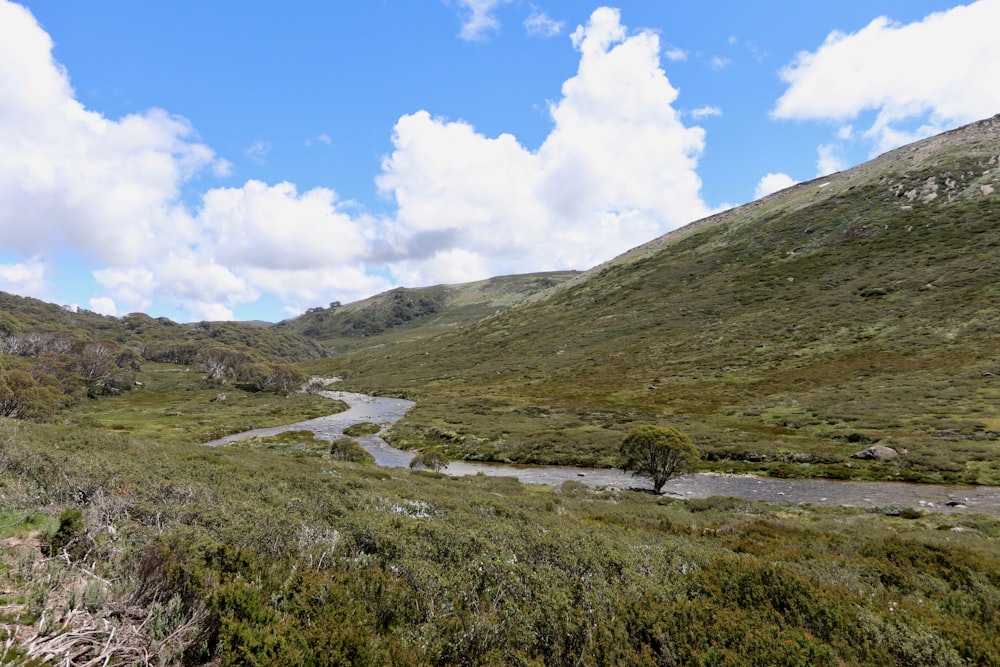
<point>240,555</point>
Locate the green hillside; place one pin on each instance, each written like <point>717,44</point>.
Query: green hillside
<point>783,335</point>
<point>408,313</point>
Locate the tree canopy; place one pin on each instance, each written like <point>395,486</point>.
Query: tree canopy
<point>659,453</point>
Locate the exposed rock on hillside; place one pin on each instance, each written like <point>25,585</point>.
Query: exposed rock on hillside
<point>876,453</point>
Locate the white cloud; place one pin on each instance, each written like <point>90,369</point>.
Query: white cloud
<point>830,159</point>
<point>718,62</point>
<point>322,138</point>
<point>540,24</point>
<point>480,19</point>
<point>773,183</point>
<point>69,175</point>
<point>258,151</point>
<point>299,289</point>
<point>133,287</point>
<point>274,227</point>
<point>617,170</point>
<point>202,286</point>
<point>27,279</point>
<point>222,168</point>
<point>253,239</point>
<point>938,72</point>
<point>705,112</point>
<point>675,54</point>
<point>103,305</point>
<point>111,190</point>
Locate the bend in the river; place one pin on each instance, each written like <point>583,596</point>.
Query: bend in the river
<point>386,411</point>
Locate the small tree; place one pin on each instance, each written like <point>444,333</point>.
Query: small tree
<point>433,459</point>
<point>658,453</point>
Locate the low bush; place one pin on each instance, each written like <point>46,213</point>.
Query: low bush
<point>348,449</point>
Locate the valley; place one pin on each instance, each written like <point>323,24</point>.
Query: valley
<point>857,312</point>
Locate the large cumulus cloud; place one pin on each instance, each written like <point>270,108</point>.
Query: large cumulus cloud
<point>617,169</point>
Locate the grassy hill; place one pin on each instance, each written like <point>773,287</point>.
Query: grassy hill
<point>409,313</point>
<point>783,335</point>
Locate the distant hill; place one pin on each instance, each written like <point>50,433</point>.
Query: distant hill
<point>856,308</point>
<point>406,313</point>
<point>22,315</point>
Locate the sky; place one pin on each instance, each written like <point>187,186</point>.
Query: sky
<point>215,161</point>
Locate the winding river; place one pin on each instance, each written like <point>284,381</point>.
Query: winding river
<point>386,411</point>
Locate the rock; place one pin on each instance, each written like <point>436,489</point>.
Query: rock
<point>876,453</point>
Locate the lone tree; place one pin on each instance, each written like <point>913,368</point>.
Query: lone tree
<point>659,453</point>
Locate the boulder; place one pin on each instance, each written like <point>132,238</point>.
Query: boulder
<point>876,453</point>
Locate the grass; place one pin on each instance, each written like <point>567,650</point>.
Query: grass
<point>174,405</point>
<point>299,558</point>
<point>295,443</point>
<point>24,523</point>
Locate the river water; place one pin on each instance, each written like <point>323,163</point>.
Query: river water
<point>386,411</point>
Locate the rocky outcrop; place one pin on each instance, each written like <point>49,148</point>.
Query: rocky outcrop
<point>876,453</point>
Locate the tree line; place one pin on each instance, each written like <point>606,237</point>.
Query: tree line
<point>42,371</point>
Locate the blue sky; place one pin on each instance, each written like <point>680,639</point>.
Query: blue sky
<point>209,160</point>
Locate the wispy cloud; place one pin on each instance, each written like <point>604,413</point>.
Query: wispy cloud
<point>719,62</point>
<point>479,18</point>
<point>258,151</point>
<point>675,54</point>
<point>705,112</point>
<point>539,24</point>
<point>322,138</point>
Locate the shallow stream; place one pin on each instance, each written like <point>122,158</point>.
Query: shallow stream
<point>386,411</point>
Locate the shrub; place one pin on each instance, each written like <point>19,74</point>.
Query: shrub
<point>70,528</point>
<point>433,459</point>
<point>716,503</point>
<point>348,449</point>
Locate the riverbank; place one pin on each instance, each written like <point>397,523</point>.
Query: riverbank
<point>875,496</point>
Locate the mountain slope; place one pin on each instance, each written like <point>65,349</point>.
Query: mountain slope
<point>856,308</point>
<point>407,313</point>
